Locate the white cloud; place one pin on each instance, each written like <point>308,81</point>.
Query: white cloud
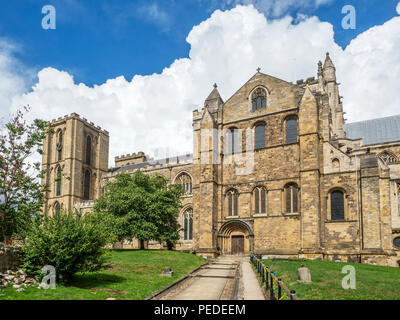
<point>398,8</point>
<point>153,13</point>
<point>279,8</point>
<point>12,78</point>
<point>155,111</point>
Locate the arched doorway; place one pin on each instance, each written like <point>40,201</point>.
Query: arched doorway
<point>236,237</point>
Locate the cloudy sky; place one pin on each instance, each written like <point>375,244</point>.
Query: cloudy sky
<point>139,68</point>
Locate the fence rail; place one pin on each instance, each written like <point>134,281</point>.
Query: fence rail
<point>274,285</point>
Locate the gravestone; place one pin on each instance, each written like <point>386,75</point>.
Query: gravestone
<point>304,274</point>
<point>167,272</point>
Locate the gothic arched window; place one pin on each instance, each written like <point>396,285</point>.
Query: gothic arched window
<point>259,136</point>
<point>233,200</point>
<point>59,145</point>
<point>259,195</point>
<point>337,205</point>
<point>185,181</point>
<point>88,150</point>
<point>259,99</point>
<point>188,224</point>
<point>291,131</point>
<point>292,198</point>
<point>387,157</point>
<point>86,185</point>
<point>57,208</point>
<point>58,181</point>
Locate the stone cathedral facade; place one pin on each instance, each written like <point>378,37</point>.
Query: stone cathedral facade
<point>275,170</point>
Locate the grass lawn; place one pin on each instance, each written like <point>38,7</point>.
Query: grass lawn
<point>132,275</point>
<point>372,282</point>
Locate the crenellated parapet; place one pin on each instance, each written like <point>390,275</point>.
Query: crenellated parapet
<point>132,158</point>
<point>75,116</point>
<point>151,165</point>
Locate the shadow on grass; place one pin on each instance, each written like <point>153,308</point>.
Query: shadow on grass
<point>95,280</point>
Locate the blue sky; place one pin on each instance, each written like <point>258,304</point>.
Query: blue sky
<point>96,40</point>
<point>139,68</point>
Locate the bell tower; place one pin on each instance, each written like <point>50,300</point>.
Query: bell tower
<point>75,157</point>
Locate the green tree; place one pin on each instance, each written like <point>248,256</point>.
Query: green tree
<point>67,242</point>
<point>21,191</point>
<point>142,206</point>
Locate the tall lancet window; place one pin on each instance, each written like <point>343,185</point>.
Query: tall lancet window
<point>86,185</point>
<point>337,205</point>
<point>259,99</point>
<point>88,150</point>
<point>259,196</point>
<point>233,141</point>
<point>59,145</point>
<point>291,131</point>
<point>188,224</point>
<point>58,181</point>
<point>292,198</point>
<point>259,136</point>
<point>233,203</point>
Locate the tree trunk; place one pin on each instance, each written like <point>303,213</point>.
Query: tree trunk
<point>141,244</point>
<point>170,245</point>
<point>3,228</point>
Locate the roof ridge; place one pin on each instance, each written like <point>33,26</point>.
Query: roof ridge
<point>382,118</point>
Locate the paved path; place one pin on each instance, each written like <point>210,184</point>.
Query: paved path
<point>225,278</point>
<point>250,283</point>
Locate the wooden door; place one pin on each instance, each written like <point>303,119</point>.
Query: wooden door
<point>237,245</point>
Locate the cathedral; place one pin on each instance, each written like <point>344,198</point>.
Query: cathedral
<point>275,170</point>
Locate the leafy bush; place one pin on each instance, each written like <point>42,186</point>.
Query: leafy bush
<point>68,243</point>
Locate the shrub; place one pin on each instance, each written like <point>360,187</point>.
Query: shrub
<point>68,243</point>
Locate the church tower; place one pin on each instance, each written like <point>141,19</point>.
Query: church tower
<point>206,163</point>
<point>75,157</point>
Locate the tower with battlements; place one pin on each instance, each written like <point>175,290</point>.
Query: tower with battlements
<point>75,158</point>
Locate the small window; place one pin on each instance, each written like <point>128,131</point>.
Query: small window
<point>292,198</point>
<point>259,136</point>
<point>188,224</point>
<point>88,150</point>
<point>291,131</point>
<point>259,99</point>
<point>337,205</point>
<point>233,199</point>
<point>259,195</point>
<point>396,242</point>
<point>86,186</point>
<point>58,182</point>
<point>336,164</point>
